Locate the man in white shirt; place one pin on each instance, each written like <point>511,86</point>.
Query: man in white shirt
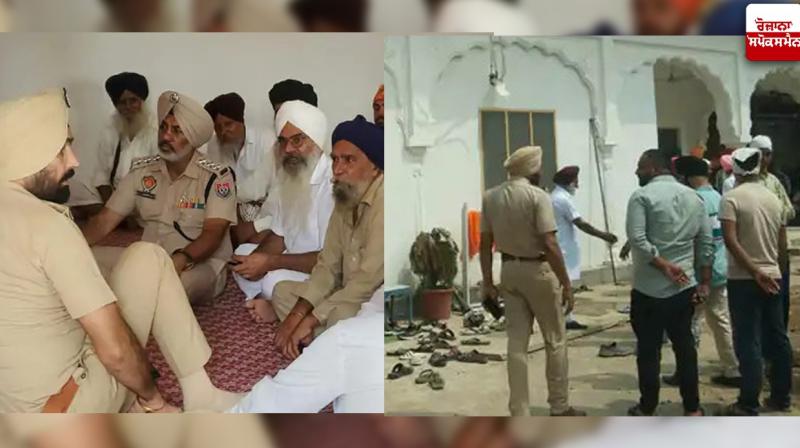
<point>245,150</point>
<point>300,214</point>
<point>344,365</point>
<point>131,133</point>
<point>253,231</point>
<point>567,220</point>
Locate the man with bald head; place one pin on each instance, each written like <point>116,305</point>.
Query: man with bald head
<point>350,266</point>
<point>186,201</point>
<point>73,342</point>
<point>302,207</point>
<point>518,218</point>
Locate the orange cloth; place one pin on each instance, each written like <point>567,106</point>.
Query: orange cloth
<point>689,9</point>
<point>474,232</point>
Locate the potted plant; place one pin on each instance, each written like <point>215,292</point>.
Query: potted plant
<point>434,258</point>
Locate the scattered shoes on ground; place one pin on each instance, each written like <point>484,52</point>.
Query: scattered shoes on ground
<point>415,359</point>
<point>571,412</point>
<point>400,370</point>
<point>575,325</point>
<point>438,359</point>
<point>431,378</point>
<point>613,350</point>
<point>474,341</point>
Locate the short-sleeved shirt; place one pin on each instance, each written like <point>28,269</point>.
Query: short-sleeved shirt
<point>759,215</point>
<point>712,201</point>
<point>566,214</point>
<point>254,166</point>
<point>518,214</point>
<point>174,211</point>
<point>48,280</point>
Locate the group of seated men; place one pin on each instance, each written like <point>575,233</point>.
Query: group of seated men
<point>308,222</point>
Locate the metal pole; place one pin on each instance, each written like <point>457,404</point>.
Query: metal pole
<point>596,144</point>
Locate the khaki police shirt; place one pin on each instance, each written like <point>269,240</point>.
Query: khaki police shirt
<point>350,266</point>
<point>174,211</point>
<point>48,280</point>
<point>518,214</point>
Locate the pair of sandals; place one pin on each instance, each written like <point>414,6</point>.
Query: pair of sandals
<point>474,341</point>
<point>476,357</point>
<point>400,370</point>
<point>431,378</point>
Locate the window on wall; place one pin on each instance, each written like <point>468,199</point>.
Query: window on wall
<point>503,131</point>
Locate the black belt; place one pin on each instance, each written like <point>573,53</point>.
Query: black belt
<point>539,259</point>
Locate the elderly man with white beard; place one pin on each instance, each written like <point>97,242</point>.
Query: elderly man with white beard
<point>300,215</point>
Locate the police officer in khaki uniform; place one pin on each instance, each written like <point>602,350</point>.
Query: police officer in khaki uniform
<point>350,265</point>
<point>69,340</point>
<point>518,218</point>
<point>186,201</point>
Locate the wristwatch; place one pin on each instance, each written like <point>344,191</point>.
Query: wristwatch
<point>190,264</point>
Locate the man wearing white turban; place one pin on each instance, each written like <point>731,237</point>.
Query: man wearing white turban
<point>518,219</point>
<point>72,341</point>
<point>298,219</point>
<point>754,229</point>
<point>187,202</point>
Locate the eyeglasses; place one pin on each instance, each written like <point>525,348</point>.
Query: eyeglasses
<point>296,141</point>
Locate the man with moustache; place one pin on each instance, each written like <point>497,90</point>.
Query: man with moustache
<point>350,266</point>
<point>72,342</point>
<point>255,230</point>
<point>187,202</point>
<point>301,212</point>
<point>243,149</point>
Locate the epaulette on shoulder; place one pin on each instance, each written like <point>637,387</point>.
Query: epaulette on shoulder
<point>216,168</point>
<point>144,161</point>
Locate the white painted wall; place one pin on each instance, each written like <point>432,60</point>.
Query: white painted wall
<point>684,104</point>
<point>436,86</point>
<point>344,70</point>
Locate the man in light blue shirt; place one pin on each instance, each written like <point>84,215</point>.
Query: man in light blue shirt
<point>669,234</point>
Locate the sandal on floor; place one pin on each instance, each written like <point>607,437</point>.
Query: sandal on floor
<point>472,357</point>
<point>415,359</point>
<point>400,370</point>
<point>425,348</point>
<point>442,345</point>
<point>474,341</point>
<point>498,325</point>
<point>424,377</point>
<point>438,360</point>
<point>398,352</point>
<point>436,382</point>
<point>447,335</point>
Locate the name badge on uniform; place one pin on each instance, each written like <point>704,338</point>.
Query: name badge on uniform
<point>149,183</point>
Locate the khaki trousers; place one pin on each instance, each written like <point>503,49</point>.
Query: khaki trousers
<point>531,291</point>
<point>201,283</point>
<point>287,293</point>
<point>152,301</point>
<point>715,310</point>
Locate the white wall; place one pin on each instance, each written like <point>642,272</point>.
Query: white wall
<point>436,86</point>
<point>344,69</point>
<point>685,104</point>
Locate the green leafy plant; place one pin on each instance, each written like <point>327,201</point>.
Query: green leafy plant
<point>434,258</point>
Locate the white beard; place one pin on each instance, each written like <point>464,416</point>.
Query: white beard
<point>131,128</point>
<point>294,194</point>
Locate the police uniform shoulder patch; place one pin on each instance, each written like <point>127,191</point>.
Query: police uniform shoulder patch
<point>144,161</point>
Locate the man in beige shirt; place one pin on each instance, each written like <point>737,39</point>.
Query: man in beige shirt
<point>69,340</point>
<point>350,265</point>
<point>186,201</point>
<point>518,218</point>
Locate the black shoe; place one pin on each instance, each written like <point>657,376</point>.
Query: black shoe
<point>771,405</point>
<point>727,381</point>
<point>571,412</point>
<point>575,325</point>
<point>735,410</point>
<point>637,411</point>
<point>671,380</point>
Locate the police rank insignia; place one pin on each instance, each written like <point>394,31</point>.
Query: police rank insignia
<point>223,189</point>
<point>149,183</point>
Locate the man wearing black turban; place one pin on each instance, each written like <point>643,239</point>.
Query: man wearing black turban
<point>290,90</point>
<point>130,134</point>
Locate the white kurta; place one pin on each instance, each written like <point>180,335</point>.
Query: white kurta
<point>310,238</point>
<point>144,144</point>
<point>344,365</point>
<point>254,168</point>
<point>566,214</point>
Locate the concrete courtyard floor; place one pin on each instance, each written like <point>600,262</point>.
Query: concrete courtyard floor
<point>600,386</point>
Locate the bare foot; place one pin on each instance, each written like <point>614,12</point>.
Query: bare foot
<point>262,310</point>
